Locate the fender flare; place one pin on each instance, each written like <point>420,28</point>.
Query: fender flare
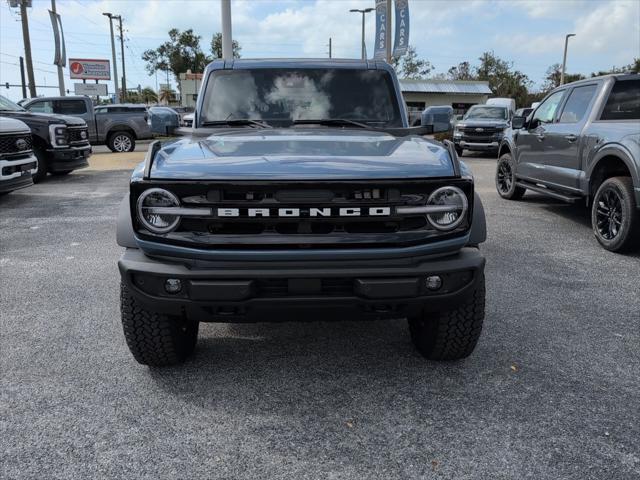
<point>612,150</point>
<point>124,228</point>
<point>478,232</point>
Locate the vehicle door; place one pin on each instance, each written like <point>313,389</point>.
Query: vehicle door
<point>104,120</point>
<point>530,141</point>
<point>138,118</point>
<point>77,107</point>
<point>563,141</point>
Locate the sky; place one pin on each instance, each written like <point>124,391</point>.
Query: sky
<point>529,33</point>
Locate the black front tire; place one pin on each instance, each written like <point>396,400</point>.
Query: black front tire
<point>614,215</point>
<point>41,172</point>
<point>506,179</point>
<point>155,339</point>
<point>452,334</point>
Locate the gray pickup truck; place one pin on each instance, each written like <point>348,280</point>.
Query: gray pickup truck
<point>117,126</point>
<point>582,143</point>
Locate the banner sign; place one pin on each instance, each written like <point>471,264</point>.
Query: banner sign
<point>91,89</point>
<point>380,50</point>
<point>60,56</point>
<point>89,69</point>
<point>401,41</point>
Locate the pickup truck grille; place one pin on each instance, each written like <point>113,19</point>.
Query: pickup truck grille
<point>74,134</point>
<point>289,214</point>
<point>16,144</point>
<point>481,131</point>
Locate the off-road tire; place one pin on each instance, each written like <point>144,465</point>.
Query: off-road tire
<point>506,179</point>
<point>452,334</point>
<point>116,140</point>
<point>627,232</point>
<point>154,339</point>
<point>41,171</point>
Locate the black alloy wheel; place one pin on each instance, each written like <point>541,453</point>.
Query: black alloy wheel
<point>614,216</point>
<point>506,179</point>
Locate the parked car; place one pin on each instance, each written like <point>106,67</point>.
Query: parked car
<point>163,120</point>
<point>325,206</point>
<point>118,125</point>
<point>508,103</point>
<point>482,128</point>
<point>187,120</point>
<point>182,111</point>
<point>60,142</point>
<point>582,143</point>
<point>17,161</point>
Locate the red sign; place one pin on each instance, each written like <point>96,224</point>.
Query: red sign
<point>89,69</point>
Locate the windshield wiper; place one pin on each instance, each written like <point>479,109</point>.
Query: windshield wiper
<point>237,121</point>
<point>333,121</point>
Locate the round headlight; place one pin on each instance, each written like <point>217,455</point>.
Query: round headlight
<point>452,197</point>
<point>153,199</point>
<point>83,135</point>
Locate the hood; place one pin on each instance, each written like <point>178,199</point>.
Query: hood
<point>10,125</point>
<point>481,122</point>
<point>301,154</point>
<point>48,118</point>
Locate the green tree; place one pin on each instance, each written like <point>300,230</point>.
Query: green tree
<point>553,75</point>
<point>411,66</point>
<point>181,53</point>
<point>632,67</point>
<point>503,80</point>
<point>462,71</point>
<point>148,95</point>
<point>216,46</point>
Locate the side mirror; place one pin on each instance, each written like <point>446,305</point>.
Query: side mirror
<point>518,122</point>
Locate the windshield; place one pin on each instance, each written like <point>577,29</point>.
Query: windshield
<point>281,96</point>
<point>8,105</point>
<point>486,113</point>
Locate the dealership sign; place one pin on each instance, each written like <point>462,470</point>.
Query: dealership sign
<point>380,50</point>
<point>401,41</point>
<point>90,89</point>
<point>89,69</point>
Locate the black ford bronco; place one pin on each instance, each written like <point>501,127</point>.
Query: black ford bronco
<point>301,193</point>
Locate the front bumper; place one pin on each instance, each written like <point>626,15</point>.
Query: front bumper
<point>297,290</point>
<point>70,158</point>
<point>479,146</point>
<point>16,173</point>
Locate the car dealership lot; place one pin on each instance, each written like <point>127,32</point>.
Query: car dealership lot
<point>550,392</point>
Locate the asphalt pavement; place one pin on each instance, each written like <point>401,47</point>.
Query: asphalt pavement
<point>551,392</point>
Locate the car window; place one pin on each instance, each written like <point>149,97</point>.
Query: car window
<point>70,107</point>
<point>101,110</point>
<point>577,104</point>
<point>546,111</point>
<point>623,102</point>
<point>41,107</point>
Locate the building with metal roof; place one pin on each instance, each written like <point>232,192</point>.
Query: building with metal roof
<point>460,94</point>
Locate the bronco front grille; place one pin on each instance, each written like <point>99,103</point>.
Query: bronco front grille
<point>15,144</point>
<point>307,228</point>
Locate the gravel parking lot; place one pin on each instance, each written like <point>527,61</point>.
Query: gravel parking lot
<point>551,392</point>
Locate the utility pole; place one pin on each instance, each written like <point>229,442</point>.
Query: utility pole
<point>363,12</point>
<point>227,41</point>
<point>27,48</point>
<point>24,84</point>
<point>564,58</point>
<point>113,55</point>
<point>388,32</point>
<point>124,73</point>
<point>329,47</point>
<point>59,68</point>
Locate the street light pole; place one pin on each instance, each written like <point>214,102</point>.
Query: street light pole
<point>564,58</point>
<point>363,12</point>
<point>27,47</point>
<point>124,73</point>
<point>113,55</point>
<point>227,41</point>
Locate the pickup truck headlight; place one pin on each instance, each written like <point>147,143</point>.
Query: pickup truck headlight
<point>152,210</point>
<point>58,135</point>
<point>450,218</point>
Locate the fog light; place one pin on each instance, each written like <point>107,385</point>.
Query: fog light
<point>434,282</point>
<point>173,285</point>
